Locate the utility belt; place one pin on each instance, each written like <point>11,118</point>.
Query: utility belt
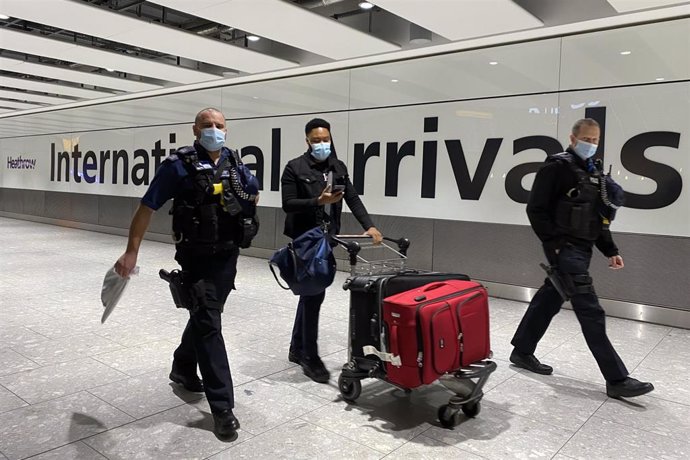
<point>200,227</point>
<point>185,292</point>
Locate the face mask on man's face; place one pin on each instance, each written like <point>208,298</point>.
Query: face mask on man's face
<point>321,151</point>
<point>212,139</point>
<point>585,150</point>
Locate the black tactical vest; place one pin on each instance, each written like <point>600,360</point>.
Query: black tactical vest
<point>200,224</point>
<point>576,211</point>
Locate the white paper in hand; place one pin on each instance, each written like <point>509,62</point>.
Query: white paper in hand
<point>113,287</point>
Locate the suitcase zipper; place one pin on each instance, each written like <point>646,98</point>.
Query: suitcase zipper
<point>420,343</point>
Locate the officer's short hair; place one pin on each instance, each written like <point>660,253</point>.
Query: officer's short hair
<point>583,122</point>
<point>317,123</point>
<point>202,111</point>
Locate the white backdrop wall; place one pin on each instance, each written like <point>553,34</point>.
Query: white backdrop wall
<point>454,137</point>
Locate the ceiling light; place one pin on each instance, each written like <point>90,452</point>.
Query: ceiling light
<point>366,5</point>
<point>493,63</point>
<point>109,70</point>
<point>394,80</point>
<point>253,38</point>
<point>4,17</point>
<point>625,53</point>
<point>660,79</point>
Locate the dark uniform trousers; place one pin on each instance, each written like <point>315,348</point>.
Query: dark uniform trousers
<point>305,331</point>
<point>202,340</point>
<point>572,260</point>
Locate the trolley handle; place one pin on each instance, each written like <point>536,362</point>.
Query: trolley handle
<point>354,247</point>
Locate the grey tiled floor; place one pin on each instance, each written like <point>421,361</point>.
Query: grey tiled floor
<point>73,388</point>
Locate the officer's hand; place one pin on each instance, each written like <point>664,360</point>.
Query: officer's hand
<point>616,263</point>
<point>375,235</point>
<point>256,200</point>
<point>125,264</point>
<point>328,197</point>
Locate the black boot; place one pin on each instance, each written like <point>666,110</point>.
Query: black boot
<point>529,362</point>
<point>226,425</point>
<point>190,383</point>
<point>628,388</point>
<point>315,370</point>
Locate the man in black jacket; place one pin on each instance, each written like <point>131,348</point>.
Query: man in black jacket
<point>309,201</point>
<point>569,214</point>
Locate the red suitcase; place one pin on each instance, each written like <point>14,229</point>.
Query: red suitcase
<point>435,329</point>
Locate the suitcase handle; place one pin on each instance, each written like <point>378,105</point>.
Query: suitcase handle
<point>434,285</point>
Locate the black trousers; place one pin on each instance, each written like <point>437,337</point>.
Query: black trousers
<point>305,331</point>
<point>572,260</point>
<point>202,341</point>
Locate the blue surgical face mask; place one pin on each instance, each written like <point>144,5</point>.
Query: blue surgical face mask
<point>212,139</point>
<point>585,150</point>
<point>321,151</point>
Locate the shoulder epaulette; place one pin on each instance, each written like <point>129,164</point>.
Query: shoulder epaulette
<point>562,156</point>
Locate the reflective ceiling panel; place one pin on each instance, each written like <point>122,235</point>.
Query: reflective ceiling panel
<point>37,45</point>
<point>623,6</point>
<point>462,19</point>
<point>90,20</point>
<point>38,98</point>
<point>51,88</point>
<point>268,18</point>
<point>65,74</point>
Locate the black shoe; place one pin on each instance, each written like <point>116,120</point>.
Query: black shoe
<point>190,383</point>
<point>529,362</point>
<point>225,425</point>
<point>293,357</point>
<point>315,370</point>
<point>628,388</point>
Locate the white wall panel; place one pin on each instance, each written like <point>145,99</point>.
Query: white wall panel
<point>655,51</point>
<point>310,93</point>
<point>524,68</point>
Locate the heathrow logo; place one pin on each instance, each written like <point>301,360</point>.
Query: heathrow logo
<point>21,163</point>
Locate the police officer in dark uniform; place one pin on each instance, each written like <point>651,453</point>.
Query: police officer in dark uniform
<point>309,201</point>
<point>206,237</point>
<point>570,208</point>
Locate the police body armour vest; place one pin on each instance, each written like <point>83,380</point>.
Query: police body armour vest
<point>576,212</point>
<point>199,221</point>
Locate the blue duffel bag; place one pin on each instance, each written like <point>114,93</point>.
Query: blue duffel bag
<point>306,264</point>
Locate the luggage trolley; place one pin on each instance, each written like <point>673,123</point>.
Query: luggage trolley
<point>371,281</point>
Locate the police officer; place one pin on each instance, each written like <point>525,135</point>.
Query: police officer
<point>569,214</point>
<point>207,251</point>
<point>309,201</point>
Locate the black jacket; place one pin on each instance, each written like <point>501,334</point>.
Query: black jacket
<point>302,182</point>
<point>551,183</point>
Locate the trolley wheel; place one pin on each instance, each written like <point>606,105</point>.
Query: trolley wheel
<point>350,389</point>
<point>471,409</point>
<point>446,415</point>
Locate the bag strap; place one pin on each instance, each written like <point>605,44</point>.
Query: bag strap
<point>270,265</point>
<point>294,263</point>
<point>219,171</point>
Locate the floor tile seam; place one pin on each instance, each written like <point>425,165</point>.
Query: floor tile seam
<point>662,398</point>
<point>343,436</point>
<point>25,357</point>
<point>291,386</point>
<point>453,446</point>
<point>669,437</point>
<point>64,445</point>
<point>529,417</point>
<point>580,428</point>
<point>134,418</point>
<point>57,363</point>
<point>16,395</point>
